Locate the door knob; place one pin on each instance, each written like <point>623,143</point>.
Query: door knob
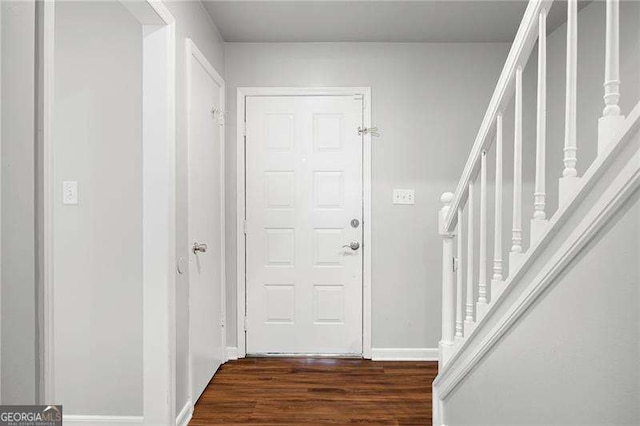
<point>353,245</point>
<point>199,248</point>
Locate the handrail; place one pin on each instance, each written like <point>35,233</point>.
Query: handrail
<point>518,55</point>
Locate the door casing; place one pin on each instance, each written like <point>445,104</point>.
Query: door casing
<point>242,93</point>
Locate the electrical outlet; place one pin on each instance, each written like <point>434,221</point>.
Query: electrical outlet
<point>404,196</point>
<point>70,192</point>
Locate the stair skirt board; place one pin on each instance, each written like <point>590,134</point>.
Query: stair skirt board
<point>404,354</point>
<point>185,414</point>
<point>102,420</point>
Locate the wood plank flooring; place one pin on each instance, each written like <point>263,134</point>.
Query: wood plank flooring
<point>308,391</point>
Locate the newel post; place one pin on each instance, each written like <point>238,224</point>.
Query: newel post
<point>448,287</point>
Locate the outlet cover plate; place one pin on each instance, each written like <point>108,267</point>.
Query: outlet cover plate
<point>70,192</point>
<point>404,196</point>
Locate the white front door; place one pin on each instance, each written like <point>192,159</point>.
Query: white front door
<point>206,232</point>
<point>303,206</point>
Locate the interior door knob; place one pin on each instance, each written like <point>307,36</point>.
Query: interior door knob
<point>353,245</point>
<point>199,248</point>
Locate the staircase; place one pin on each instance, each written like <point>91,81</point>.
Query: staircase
<point>480,306</point>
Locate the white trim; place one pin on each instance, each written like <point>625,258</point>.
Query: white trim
<point>48,349</point>
<point>587,222</point>
<point>242,93</point>
<point>162,11</point>
<point>240,226</point>
<point>102,420</point>
<point>366,223</point>
<point>232,353</point>
<point>159,220</point>
<point>1,203</point>
<point>194,52</point>
<point>404,354</point>
<point>185,414</point>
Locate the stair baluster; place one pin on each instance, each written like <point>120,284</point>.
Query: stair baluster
<point>516,232</point>
<point>539,216</point>
<point>459,298</point>
<point>482,268</point>
<point>470,293</point>
<point>497,242</point>
<point>569,180</point>
<point>611,119</point>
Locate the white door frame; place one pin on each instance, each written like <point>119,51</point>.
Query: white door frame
<point>242,93</point>
<point>193,53</point>
<point>0,203</point>
<point>48,360</point>
<point>159,208</point>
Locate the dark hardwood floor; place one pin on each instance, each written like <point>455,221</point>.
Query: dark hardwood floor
<point>307,391</point>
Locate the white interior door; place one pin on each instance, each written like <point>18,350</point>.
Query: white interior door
<point>303,199</point>
<point>206,225</point>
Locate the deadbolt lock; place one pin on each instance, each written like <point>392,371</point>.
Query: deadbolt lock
<point>199,248</point>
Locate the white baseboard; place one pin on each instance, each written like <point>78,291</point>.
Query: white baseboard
<point>232,353</point>
<point>102,420</point>
<point>404,354</point>
<point>185,414</point>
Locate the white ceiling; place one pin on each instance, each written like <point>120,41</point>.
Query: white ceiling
<point>372,21</point>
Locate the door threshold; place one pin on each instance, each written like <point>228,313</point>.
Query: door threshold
<point>302,355</point>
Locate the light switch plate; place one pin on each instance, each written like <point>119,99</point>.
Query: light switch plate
<point>70,192</point>
<point>404,196</point>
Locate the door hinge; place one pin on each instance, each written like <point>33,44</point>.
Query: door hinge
<point>455,264</point>
<point>222,319</point>
<point>359,97</point>
<point>246,323</point>
<point>244,129</point>
<point>373,131</point>
<point>218,114</point>
<point>244,227</point>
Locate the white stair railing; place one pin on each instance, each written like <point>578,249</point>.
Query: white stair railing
<point>461,313</point>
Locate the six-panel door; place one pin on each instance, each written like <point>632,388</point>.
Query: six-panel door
<point>303,190</point>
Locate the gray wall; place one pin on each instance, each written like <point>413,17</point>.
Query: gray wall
<point>97,244</point>
<point>19,349</point>
<point>428,102</point>
<point>192,21</point>
<point>577,366</point>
